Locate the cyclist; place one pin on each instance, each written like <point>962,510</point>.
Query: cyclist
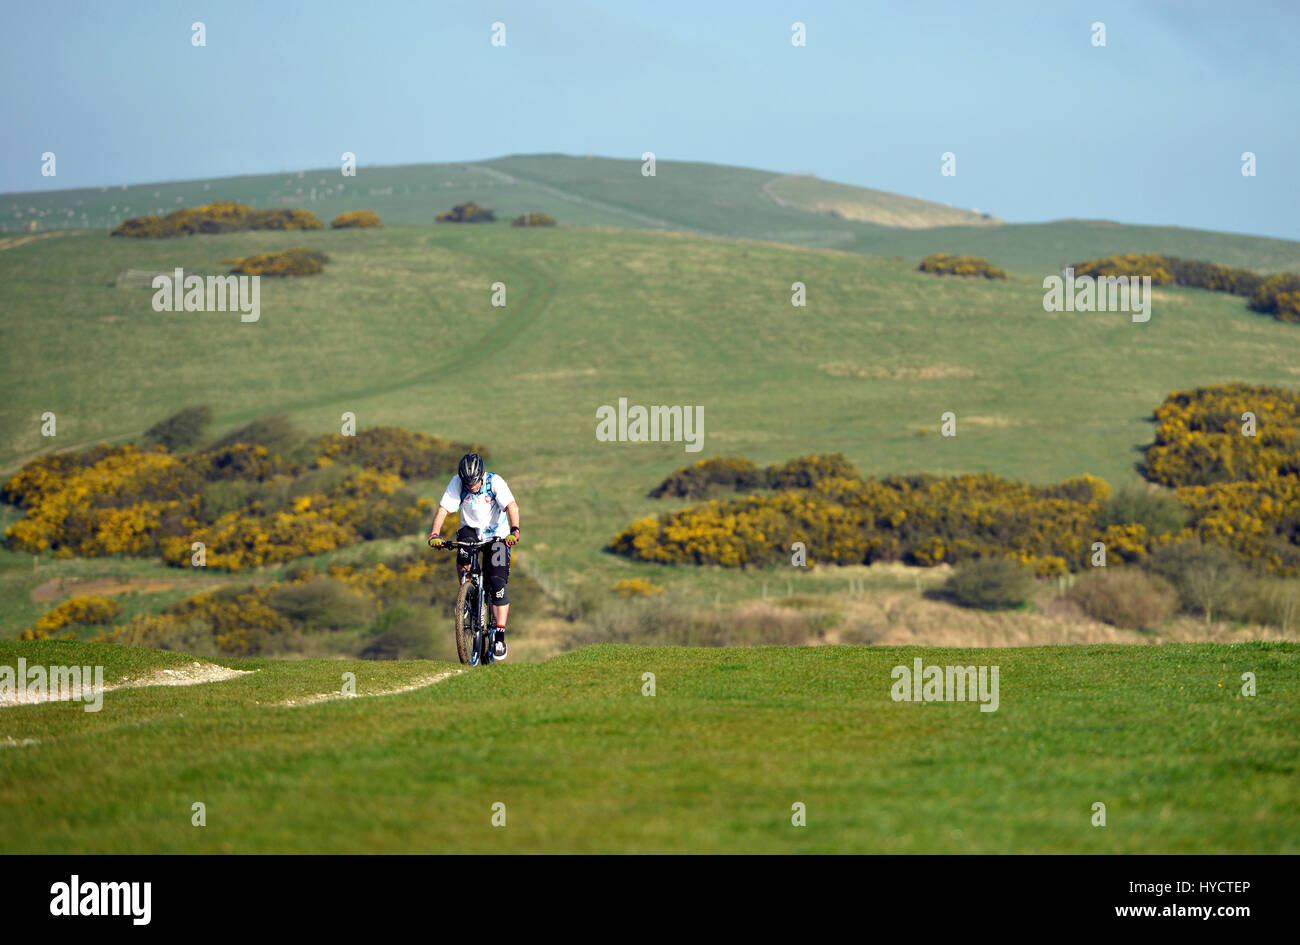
<point>482,497</point>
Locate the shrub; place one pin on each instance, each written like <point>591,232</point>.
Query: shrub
<point>246,504</point>
<point>991,584</point>
<point>1269,294</point>
<point>1132,265</point>
<point>1199,437</point>
<point>945,264</point>
<point>82,611</point>
<point>391,449</point>
<point>181,430</point>
<point>150,227</point>
<point>321,604</point>
<point>533,219</point>
<point>1157,510</point>
<point>807,471</point>
<point>1274,602</point>
<point>298,261</point>
<point>276,432</point>
<point>361,219</point>
<point>284,219</point>
<point>698,480</point>
<point>923,520</point>
<point>1209,579</point>
<point>401,633</point>
<point>468,212</point>
<point>637,587</point>
<point>223,497</point>
<point>223,216</point>
<point>1125,597</point>
<point>1278,296</point>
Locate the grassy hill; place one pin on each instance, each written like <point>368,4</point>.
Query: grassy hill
<point>706,199</point>
<point>400,330</point>
<point>583,762</point>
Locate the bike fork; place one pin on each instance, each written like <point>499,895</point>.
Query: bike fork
<point>485,634</point>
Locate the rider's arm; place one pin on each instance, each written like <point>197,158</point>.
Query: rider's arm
<point>512,513</point>
<point>437,522</point>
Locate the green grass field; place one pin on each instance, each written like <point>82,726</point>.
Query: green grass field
<point>714,761</point>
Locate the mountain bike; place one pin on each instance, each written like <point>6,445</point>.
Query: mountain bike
<point>473,641</point>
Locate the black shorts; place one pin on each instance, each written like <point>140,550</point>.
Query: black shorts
<point>496,564</point>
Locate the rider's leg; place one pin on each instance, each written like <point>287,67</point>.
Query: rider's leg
<point>464,533</point>
<point>498,574</point>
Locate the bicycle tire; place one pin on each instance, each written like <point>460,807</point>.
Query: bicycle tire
<point>465,642</point>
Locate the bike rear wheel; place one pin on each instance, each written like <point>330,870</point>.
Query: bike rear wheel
<point>467,642</point>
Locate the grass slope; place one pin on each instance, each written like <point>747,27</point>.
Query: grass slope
<point>713,762</point>
<point>402,319</point>
<point>807,192</point>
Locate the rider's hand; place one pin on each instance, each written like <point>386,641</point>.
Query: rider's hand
<point>436,542</point>
<point>513,538</point>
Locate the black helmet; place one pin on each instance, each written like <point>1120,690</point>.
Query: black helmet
<point>471,468</point>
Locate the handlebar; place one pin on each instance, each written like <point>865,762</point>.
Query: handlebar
<point>449,543</point>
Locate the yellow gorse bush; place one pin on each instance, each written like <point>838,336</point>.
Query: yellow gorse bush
<point>223,216</point>
<point>132,501</point>
<point>361,219</point>
<point>945,264</point>
<point>1241,491</point>
<point>82,611</point>
<point>637,587</point>
<point>921,520</point>
<point>298,261</point>
<point>243,622</point>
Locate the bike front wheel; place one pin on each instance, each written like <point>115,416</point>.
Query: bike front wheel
<point>466,624</point>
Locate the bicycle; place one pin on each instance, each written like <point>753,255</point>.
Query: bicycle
<point>473,642</point>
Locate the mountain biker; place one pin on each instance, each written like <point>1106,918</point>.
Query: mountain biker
<point>481,497</point>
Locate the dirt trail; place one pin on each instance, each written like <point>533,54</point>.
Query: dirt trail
<point>191,675</point>
<point>12,242</point>
<point>320,697</point>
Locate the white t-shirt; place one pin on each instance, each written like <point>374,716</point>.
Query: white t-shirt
<point>478,511</point>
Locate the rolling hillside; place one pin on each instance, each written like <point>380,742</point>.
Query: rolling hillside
<point>705,199</point>
<point>401,320</point>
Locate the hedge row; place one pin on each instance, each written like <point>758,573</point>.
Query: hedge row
<point>1278,295</point>
<point>224,216</point>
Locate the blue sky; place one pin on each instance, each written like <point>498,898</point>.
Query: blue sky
<point>1149,129</point>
